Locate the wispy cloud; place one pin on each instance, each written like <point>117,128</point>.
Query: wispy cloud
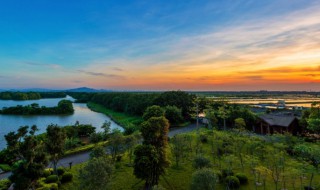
<point>100,74</point>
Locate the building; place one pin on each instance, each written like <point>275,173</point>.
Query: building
<point>203,119</point>
<point>271,123</point>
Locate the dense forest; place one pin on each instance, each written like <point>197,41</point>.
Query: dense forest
<point>63,107</point>
<point>136,103</point>
<point>30,95</point>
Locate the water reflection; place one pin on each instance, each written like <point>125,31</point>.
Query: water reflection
<point>82,114</point>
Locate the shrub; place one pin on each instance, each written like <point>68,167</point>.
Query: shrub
<point>47,172</point>
<point>60,171</point>
<point>72,143</point>
<point>97,151</point>
<point>50,186</point>
<point>219,175</point>
<point>232,182</point>
<point>242,178</point>
<point>203,179</point>
<point>5,167</point>
<point>66,177</point>
<point>96,137</point>
<point>227,172</point>
<point>53,186</point>
<point>52,179</point>
<point>201,162</point>
<point>5,184</point>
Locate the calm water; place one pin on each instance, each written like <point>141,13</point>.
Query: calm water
<point>82,114</point>
<point>305,102</point>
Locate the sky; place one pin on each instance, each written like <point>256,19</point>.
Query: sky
<point>216,45</point>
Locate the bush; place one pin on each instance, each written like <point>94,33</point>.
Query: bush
<point>5,167</point>
<point>203,179</point>
<point>227,172</point>
<point>97,151</point>
<point>5,184</point>
<point>66,177</point>
<point>72,143</point>
<point>201,162</point>
<point>242,178</point>
<point>47,172</point>
<point>52,179</point>
<point>219,175</point>
<point>232,182</point>
<point>50,186</point>
<point>96,137</point>
<point>60,171</point>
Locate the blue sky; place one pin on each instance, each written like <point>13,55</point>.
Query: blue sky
<point>160,45</point>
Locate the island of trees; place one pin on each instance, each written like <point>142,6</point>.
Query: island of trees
<point>30,95</point>
<point>63,107</point>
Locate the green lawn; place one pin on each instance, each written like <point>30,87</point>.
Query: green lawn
<point>179,178</point>
<point>124,120</point>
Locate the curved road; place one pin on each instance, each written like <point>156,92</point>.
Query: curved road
<point>84,156</point>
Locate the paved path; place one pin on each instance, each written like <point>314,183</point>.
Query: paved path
<point>84,156</point>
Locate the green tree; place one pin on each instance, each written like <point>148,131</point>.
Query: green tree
<point>96,174</point>
<point>303,122</point>
<point>27,148</point>
<point>116,144</point>
<point>223,113</point>
<point>151,157</point>
<point>153,111</point>
<point>55,141</point>
<point>131,142</point>
<point>211,117</point>
<point>180,99</point>
<point>65,106</point>
<point>314,125</point>
<point>203,179</point>
<point>240,124</point>
<point>173,114</point>
<point>179,146</point>
<point>97,152</point>
<point>146,164</point>
<point>314,118</point>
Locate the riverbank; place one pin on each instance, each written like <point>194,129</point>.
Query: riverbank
<point>128,122</point>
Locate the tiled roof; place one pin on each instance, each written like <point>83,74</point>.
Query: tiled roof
<point>279,120</point>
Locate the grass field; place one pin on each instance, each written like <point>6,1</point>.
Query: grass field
<point>124,120</point>
<point>254,159</point>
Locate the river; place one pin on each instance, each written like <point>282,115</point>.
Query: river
<point>82,114</point>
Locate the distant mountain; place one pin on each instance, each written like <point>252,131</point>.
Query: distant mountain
<point>81,89</point>
<point>86,89</point>
<point>36,90</point>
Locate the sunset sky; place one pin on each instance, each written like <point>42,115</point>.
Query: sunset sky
<point>160,44</point>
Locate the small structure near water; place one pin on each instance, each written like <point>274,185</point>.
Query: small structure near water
<point>278,123</point>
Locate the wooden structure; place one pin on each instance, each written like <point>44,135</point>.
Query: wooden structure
<point>270,124</point>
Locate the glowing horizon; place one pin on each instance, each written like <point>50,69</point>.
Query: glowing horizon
<point>190,45</point>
